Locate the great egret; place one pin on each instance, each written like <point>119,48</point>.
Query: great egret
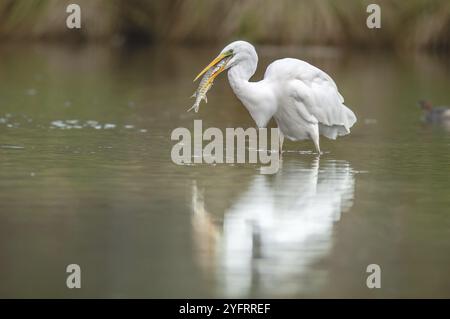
<point>303,99</point>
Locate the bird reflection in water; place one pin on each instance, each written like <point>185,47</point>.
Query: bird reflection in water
<point>273,235</point>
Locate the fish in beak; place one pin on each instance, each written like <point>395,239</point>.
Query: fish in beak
<point>219,58</point>
<point>210,72</point>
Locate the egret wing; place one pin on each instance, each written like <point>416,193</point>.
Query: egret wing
<point>318,94</point>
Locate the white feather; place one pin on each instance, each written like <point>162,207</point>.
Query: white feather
<point>303,99</point>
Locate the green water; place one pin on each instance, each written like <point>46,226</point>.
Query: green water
<point>86,177</point>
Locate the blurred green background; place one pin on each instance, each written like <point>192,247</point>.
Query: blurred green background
<point>405,24</point>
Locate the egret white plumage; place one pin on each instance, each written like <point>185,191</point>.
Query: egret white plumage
<point>303,99</point>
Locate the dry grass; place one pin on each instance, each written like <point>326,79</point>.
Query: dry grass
<point>405,24</point>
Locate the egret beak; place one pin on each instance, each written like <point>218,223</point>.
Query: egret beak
<point>219,58</point>
<point>215,74</point>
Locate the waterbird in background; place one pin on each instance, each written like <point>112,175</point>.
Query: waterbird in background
<point>435,114</point>
<point>303,99</point>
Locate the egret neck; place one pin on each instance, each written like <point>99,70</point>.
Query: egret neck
<point>257,97</point>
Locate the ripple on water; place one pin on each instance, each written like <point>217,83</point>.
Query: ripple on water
<point>12,147</point>
<point>16,121</point>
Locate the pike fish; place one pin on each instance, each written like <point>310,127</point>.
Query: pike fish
<point>206,83</point>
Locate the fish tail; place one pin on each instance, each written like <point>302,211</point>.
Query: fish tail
<point>194,107</point>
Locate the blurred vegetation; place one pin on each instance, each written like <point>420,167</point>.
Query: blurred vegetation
<point>405,24</point>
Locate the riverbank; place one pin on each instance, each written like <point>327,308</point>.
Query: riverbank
<point>418,24</point>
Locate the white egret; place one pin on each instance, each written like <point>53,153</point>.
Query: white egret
<point>303,99</point>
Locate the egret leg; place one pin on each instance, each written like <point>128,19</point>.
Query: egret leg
<point>315,138</point>
<point>316,144</point>
<point>281,135</point>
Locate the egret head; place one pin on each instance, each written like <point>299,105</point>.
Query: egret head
<point>237,52</point>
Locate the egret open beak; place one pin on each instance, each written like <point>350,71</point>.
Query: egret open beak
<point>219,58</point>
